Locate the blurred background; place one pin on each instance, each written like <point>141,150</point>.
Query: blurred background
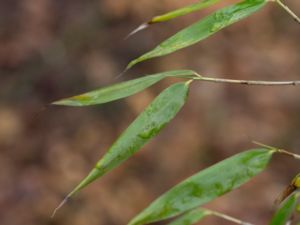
<point>54,49</point>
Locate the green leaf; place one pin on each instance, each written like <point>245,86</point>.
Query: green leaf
<point>176,13</point>
<point>183,11</point>
<point>203,29</point>
<point>285,211</point>
<point>147,125</point>
<point>121,90</point>
<point>191,217</point>
<point>206,185</point>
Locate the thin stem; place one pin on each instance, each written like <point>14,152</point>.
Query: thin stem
<point>247,82</point>
<point>296,156</point>
<point>189,82</point>
<point>289,11</point>
<point>229,218</point>
<point>279,150</point>
<point>264,145</point>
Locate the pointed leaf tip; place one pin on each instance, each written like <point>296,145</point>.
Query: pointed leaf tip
<point>143,26</point>
<point>63,202</point>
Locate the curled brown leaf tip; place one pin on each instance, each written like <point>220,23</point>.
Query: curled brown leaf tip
<point>59,206</point>
<point>285,193</point>
<point>138,29</point>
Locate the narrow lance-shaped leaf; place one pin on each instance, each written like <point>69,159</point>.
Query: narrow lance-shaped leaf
<point>148,124</point>
<point>206,185</point>
<point>191,217</point>
<point>183,11</point>
<point>285,211</point>
<point>121,90</point>
<point>203,29</point>
<point>176,13</point>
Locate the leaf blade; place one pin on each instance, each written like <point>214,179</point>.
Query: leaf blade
<point>285,211</point>
<point>202,29</point>
<point>182,11</point>
<point>173,14</point>
<point>120,90</point>
<point>147,125</point>
<point>205,186</point>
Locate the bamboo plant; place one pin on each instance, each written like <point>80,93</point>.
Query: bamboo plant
<point>187,198</point>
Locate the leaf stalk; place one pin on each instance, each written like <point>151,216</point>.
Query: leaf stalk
<point>247,82</point>
<point>279,150</point>
<point>228,218</point>
<point>288,10</point>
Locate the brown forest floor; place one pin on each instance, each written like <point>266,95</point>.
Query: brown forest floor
<point>53,49</point>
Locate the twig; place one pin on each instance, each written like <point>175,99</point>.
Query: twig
<point>289,11</point>
<point>247,82</point>
<point>264,145</point>
<point>296,156</point>
<point>189,82</point>
<point>279,150</point>
<point>229,218</point>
